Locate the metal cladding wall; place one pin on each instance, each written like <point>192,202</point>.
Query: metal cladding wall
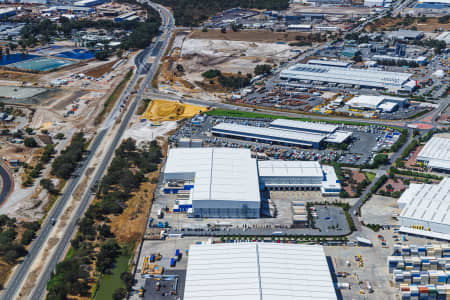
<point>434,227</point>
<point>240,213</point>
<point>265,139</point>
<point>303,181</point>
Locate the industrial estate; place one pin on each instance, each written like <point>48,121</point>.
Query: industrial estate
<point>208,149</point>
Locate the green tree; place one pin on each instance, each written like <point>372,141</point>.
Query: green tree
<point>119,293</point>
<point>59,136</point>
<point>102,55</point>
<point>30,142</point>
<point>27,237</point>
<point>212,73</point>
<point>127,279</point>
<point>262,69</point>
<point>48,185</point>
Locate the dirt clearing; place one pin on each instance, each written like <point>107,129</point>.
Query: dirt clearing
<point>100,70</point>
<point>162,110</point>
<point>248,36</point>
<point>18,76</point>
<point>430,24</point>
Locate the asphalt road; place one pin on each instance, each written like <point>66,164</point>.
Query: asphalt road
<point>22,270</point>
<point>6,184</point>
<point>41,285</point>
<point>381,171</point>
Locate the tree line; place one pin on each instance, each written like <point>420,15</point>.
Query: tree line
<point>234,81</point>
<point>12,245</point>
<point>193,12</point>
<point>65,164</point>
<point>124,176</point>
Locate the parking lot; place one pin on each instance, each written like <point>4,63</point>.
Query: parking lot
<point>360,150</point>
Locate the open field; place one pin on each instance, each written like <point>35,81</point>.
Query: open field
<point>100,70</point>
<point>430,24</point>
<point>18,76</point>
<point>246,35</point>
<point>200,55</point>
<point>245,114</point>
<point>190,57</point>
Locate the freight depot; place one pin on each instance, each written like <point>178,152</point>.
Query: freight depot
<point>286,132</point>
<point>362,78</point>
<point>209,181</point>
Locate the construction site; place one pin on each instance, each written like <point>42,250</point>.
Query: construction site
<point>193,53</point>
<point>50,107</point>
<point>162,110</point>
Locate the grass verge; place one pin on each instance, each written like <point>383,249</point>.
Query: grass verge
<point>110,282</point>
<point>256,115</point>
<point>113,98</point>
<point>370,176</point>
<point>154,82</point>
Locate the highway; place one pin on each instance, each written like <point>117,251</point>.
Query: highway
<point>23,269</point>
<point>7,183</point>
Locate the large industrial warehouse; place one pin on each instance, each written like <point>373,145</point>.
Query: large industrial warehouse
<point>426,210</point>
<point>363,78</point>
<point>285,132</point>
<point>436,154</point>
<point>255,271</point>
<point>298,175</point>
<point>217,174</point>
<point>212,179</point>
<point>383,103</point>
<point>271,135</point>
<point>304,126</point>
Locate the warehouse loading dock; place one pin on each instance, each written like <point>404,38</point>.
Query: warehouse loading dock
<point>352,76</point>
<point>208,181</point>
<point>285,132</point>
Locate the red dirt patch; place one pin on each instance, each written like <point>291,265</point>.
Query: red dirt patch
<point>396,186</point>
<point>421,126</point>
<point>358,176</point>
<point>412,160</point>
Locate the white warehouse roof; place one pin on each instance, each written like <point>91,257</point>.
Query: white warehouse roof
<point>435,1</point>
<point>304,126</point>
<point>366,101</point>
<point>218,173</point>
<point>373,102</point>
<point>338,137</point>
<point>279,135</point>
<point>371,78</point>
<point>436,152</point>
<point>427,204</point>
<point>331,63</point>
<point>258,271</point>
<point>281,168</point>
